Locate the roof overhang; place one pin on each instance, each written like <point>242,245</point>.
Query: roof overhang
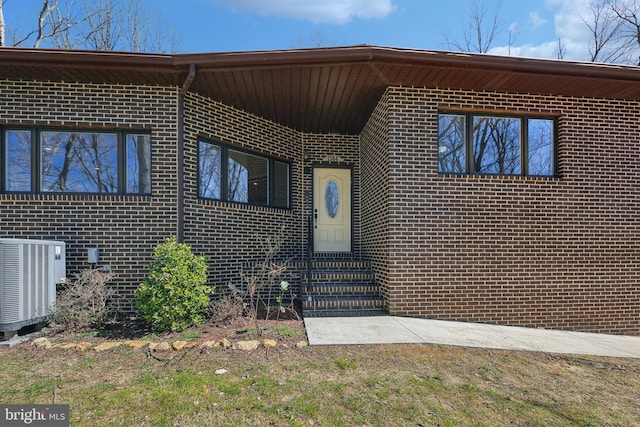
<point>324,89</point>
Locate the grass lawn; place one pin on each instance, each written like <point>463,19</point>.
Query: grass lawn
<point>386,385</point>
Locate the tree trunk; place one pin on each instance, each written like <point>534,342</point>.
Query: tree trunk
<point>1,25</point>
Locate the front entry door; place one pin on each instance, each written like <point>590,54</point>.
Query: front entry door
<point>331,210</point>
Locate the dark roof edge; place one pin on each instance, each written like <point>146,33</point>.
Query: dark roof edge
<point>305,57</point>
<point>85,58</point>
<point>416,57</point>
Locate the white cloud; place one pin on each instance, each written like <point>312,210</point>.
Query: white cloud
<point>317,11</point>
<point>569,22</point>
<point>545,50</point>
<point>536,20</point>
<point>569,28</point>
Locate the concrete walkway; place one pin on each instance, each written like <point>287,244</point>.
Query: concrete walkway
<point>404,330</point>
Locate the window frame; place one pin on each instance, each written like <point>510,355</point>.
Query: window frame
<point>469,148</point>
<point>224,169</point>
<point>35,157</point>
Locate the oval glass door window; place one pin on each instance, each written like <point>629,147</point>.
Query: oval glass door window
<point>332,199</point>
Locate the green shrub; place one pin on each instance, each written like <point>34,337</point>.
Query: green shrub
<point>174,295</point>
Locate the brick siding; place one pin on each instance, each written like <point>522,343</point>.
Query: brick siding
<point>124,228</point>
<point>556,252</point>
<point>230,234</point>
<point>127,228</point>
<point>374,158</point>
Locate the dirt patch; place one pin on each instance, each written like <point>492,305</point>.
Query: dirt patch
<point>285,332</point>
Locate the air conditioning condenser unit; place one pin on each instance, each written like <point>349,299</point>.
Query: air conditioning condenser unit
<point>29,272</point>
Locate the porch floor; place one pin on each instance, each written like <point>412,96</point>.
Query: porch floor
<point>404,330</point>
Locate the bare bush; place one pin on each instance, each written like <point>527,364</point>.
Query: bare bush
<point>227,308</point>
<point>261,277</point>
<point>84,302</point>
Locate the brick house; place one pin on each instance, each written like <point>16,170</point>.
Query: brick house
<point>432,184</point>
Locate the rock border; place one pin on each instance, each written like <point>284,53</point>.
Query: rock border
<point>163,346</point>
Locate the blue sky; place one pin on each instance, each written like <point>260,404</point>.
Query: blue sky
<point>232,25</point>
<point>241,25</point>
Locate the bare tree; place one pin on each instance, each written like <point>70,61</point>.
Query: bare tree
<point>315,39</point>
<point>562,50</point>
<point>64,37</point>
<point>47,25</point>
<point>1,25</point>
<point>97,25</point>
<point>144,30</point>
<point>628,12</point>
<point>126,26</point>
<point>513,36</point>
<point>480,31</point>
<point>607,43</point>
<point>105,23</point>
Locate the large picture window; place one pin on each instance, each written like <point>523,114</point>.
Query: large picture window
<point>233,175</point>
<point>66,161</point>
<point>498,145</point>
<point>78,162</point>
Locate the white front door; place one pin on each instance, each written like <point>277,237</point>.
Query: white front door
<point>331,210</point>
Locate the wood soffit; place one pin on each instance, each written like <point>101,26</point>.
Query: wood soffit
<point>323,90</point>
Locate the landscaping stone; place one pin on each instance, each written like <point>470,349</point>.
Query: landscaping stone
<point>107,346</point>
<point>249,345</point>
<point>83,346</point>
<point>221,371</point>
<point>269,343</point>
<point>182,345</point>
<point>225,343</point>
<point>136,344</point>
<point>68,345</point>
<point>159,346</point>
<point>301,344</point>
<point>179,345</point>
<point>42,342</point>
<point>210,344</point>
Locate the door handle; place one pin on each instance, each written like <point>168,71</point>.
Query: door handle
<point>315,218</point>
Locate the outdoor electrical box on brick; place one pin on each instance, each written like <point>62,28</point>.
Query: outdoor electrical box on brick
<point>93,255</point>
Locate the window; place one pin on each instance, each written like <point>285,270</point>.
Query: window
<point>233,175</point>
<point>498,145</point>
<point>78,163</point>
<point>280,184</point>
<point>55,161</point>
<point>138,164</point>
<point>210,170</point>
<point>247,178</point>
<point>18,161</point>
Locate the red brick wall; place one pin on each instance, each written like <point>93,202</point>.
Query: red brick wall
<point>542,252</point>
